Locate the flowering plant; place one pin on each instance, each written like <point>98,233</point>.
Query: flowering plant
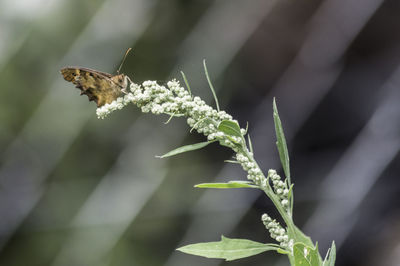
<point>218,126</point>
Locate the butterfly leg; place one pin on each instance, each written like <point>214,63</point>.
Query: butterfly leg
<point>130,82</point>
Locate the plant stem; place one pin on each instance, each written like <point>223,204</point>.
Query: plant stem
<point>275,200</point>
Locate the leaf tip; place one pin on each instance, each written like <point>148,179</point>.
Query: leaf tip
<point>274,107</point>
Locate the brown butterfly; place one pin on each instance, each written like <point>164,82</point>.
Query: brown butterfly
<point>98,86</point>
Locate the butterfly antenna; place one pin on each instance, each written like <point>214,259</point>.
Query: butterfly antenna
<point>123,60</point>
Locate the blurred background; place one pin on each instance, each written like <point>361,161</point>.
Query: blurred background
<point>75,190</point>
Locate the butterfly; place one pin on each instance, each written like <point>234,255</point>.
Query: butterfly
<point>98,86</point>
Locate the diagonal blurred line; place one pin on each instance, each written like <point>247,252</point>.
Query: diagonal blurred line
<point>44,139</point>
<point>305,82</point>
<point>229,48</point>
<point>355,174</point>
<point>9,52</point>
<point>119,196</point>
<point>222,39</point>
<point>13,36</point>
<point>317,65</point>
<point>17,20</point>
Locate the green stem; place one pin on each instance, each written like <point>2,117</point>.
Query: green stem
<point>295,233</point>
<point>275,199</point>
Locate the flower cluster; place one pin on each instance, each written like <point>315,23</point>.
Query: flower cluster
<point>253,171</point>
<point>118,104</point>
<point>216,125</point>
<point>174,100</point>
<point>277,232</point>
<point>280,189</point>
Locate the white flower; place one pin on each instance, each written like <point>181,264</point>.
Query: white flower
<point>271,172</point>
<point>211,137</point>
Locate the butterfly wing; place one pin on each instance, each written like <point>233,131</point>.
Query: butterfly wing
<point>98,86</point>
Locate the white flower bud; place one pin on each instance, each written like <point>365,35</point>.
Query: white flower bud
<point>211,137</point>
<point>271,225</point>
<point>265,217</point>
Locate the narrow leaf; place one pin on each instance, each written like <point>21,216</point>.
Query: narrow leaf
<point>291,198</point>
<point>230,184</point>
<point>228,249</point>
<point>281,143</point>
<point>186,82</point>
<point>230,128</point>
<point>305,255</point>
<point>231,161</point>
<point>250,144</point>
<point>170,118</point>
<point>186,148</point>
<point>330,261</point>
<point>297,234</point>
<point>210,84</point>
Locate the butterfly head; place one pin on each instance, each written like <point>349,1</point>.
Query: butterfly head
<point>121,80</point>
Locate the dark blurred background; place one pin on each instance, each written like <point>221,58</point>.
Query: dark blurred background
<point>75,190</point>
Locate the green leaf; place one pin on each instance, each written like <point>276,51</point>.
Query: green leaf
<point>305,255</point>
<point>230,184</point>
<point>186,148</point>
<point>169,119</point>
<point>228,249</point>
<point>299,236</point>
<point>250,144</point>
<point>330,260</point>
<point>231,161</point>
<point>290,197</point>
<point>281,143</point>
<point>230,128</point>
<point>210,84</point>
<point>187,83</point>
